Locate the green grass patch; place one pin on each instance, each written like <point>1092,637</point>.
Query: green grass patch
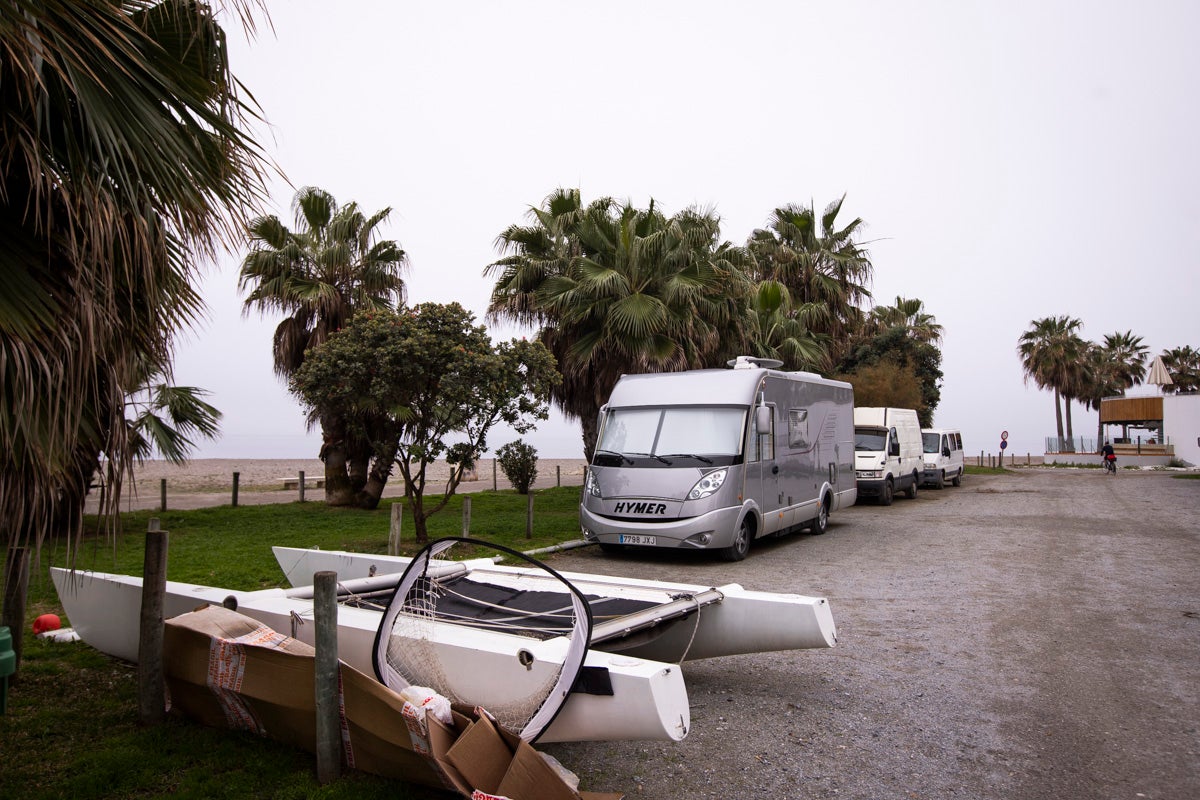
<point>1191,476</point>
<point>71,730</point>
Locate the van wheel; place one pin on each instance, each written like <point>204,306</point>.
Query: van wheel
<point>957,481</point>
<point>820,523</point>
<point>911,492</point>
<point>889,492</point>
<point>741,544</point>
<point>940,481</point>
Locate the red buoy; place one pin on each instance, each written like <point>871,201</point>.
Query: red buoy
<point>46,622</point>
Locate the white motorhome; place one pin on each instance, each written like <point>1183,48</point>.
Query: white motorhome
<point>943,457</point>
<point>887,452</point>
<point>713,459</point>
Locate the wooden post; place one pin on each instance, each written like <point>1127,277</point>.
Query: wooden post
<point>394,531</point>
<point>152,707</point>
<point>529,515</point>
<point>163,491</point>
<point>236,476</point>
<point>301,486</point>
<point>981,458</point>
<point>466,516</point>
<point>329,729</point>
<point>16,589</point>
<point>558,475</point>
<point>493,474</point>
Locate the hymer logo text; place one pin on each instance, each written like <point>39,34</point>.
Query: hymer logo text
<point>640,508</point>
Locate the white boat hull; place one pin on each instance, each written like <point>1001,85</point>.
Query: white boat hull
<point>744,621</point>
<point>649,699</point>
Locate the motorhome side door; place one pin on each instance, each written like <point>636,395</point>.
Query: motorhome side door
<point>763,477</point>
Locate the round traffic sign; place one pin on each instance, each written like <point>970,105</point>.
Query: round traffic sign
<point>1003,443</point>
<point>1003,435</point>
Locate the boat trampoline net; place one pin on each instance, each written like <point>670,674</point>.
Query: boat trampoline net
<point>511,644</point>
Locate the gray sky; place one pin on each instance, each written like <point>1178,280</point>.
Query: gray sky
<point>1011,161</point>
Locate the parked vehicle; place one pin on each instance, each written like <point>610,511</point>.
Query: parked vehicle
<point>713,459</point>
<point>943,457</point>
<point>887,452</point>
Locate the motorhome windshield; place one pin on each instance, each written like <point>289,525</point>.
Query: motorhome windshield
<point>932,442</point>
<point>870,439</point>
<point>673,430</point>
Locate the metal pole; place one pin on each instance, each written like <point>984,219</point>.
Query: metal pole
<point>329,739</point>
<point>152,706</point>
<point>236,476</point>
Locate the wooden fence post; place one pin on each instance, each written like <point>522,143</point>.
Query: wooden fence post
<point>466,516</point>
<point>301,486</point>
<point>394,530</point>
<point>236,476</point>
<point>493,474</point>
<point>152,707</point>
<point>163,491</point>
<point>329,729</point>
<point>529,515</point>
<point>558,475</point>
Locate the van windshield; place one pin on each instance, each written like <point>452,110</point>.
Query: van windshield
<point>932,442</point>
<point>673,430</point>
<point>870,439</point>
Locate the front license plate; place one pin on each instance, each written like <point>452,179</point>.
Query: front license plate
<point>634,539</point>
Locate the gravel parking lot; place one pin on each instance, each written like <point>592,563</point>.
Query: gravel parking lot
<point>1033,636</point>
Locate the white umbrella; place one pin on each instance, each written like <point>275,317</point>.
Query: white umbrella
<point>1158,373</point>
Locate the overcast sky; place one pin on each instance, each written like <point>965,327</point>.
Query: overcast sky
<point>1011,161</point>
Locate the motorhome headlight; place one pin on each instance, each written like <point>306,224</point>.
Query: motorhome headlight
<point>592,487</point>
<point>707,485</point>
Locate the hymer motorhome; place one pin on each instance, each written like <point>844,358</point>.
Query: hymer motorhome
<point>713,459</point>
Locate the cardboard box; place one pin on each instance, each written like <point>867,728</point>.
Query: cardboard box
<point>227,670</point>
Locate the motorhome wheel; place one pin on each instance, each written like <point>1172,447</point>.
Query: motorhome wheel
<point>820,522</point>
<point>741,543</point>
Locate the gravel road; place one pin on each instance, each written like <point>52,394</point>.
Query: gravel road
<point>1030,636</point>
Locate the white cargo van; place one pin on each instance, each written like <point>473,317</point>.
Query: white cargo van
<point>887,452</point>
<point>713,459</point>
<point>943,456</point>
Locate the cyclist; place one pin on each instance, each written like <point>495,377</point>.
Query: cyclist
<point>1110,457</point>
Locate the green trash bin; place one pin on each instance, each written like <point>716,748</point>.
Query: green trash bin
<point>8,665</point>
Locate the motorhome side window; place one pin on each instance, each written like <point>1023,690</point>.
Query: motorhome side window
<point>798,428</point>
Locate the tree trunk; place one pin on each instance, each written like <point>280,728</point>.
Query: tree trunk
<point>368,497</point>
<point>1070,430</point>
<point>590,430</point>
<point>338,489</point>
<point>1057,418</point>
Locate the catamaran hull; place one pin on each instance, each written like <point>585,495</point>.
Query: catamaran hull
<point>744,621</point>
<point>648,701</point>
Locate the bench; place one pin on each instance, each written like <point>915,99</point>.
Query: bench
<point>309,483</point>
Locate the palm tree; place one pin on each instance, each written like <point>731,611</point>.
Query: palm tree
<point>824,268</point>
<point>912,317</point>
<point>1052,355</point>
<point>617,289</point>
<point>775,330</point>
<point>1128,357</point>
<point>1184,365</point>
<point>332,266</point>
<point>125,161</point>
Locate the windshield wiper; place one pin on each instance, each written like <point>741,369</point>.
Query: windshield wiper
<point>655,456</point>
<point>621,456</point>
<point>691,455</point>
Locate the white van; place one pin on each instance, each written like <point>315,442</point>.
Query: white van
<point>713,459</point>
<point>887,452</point>
<point>943,456</point>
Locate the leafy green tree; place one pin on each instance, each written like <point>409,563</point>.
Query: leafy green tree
<point>1053,357</point>
<point>909,314</point>
<point>518,461</point>
<point>615,289</point>
<point>330,267</point>
<point>826,269</point>
<point>909,356</point>
<point>1183,363</point>
<point>127,161</point>
<point>886,383</point>
<point>422,384</point>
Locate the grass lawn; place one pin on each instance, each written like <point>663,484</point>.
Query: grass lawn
<point>71,730</point>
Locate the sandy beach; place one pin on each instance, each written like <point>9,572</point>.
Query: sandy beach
<point>209,482</point>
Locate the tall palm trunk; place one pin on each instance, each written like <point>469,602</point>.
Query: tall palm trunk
<point>1058,416</point>
<point>339,491</point>
<point>1070,445</point>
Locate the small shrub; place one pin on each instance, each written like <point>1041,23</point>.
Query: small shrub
<point>518,462</point>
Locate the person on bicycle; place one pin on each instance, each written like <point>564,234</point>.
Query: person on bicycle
<point>1110,457</point>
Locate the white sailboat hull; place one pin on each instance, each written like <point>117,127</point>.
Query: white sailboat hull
<point>649,699</point>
